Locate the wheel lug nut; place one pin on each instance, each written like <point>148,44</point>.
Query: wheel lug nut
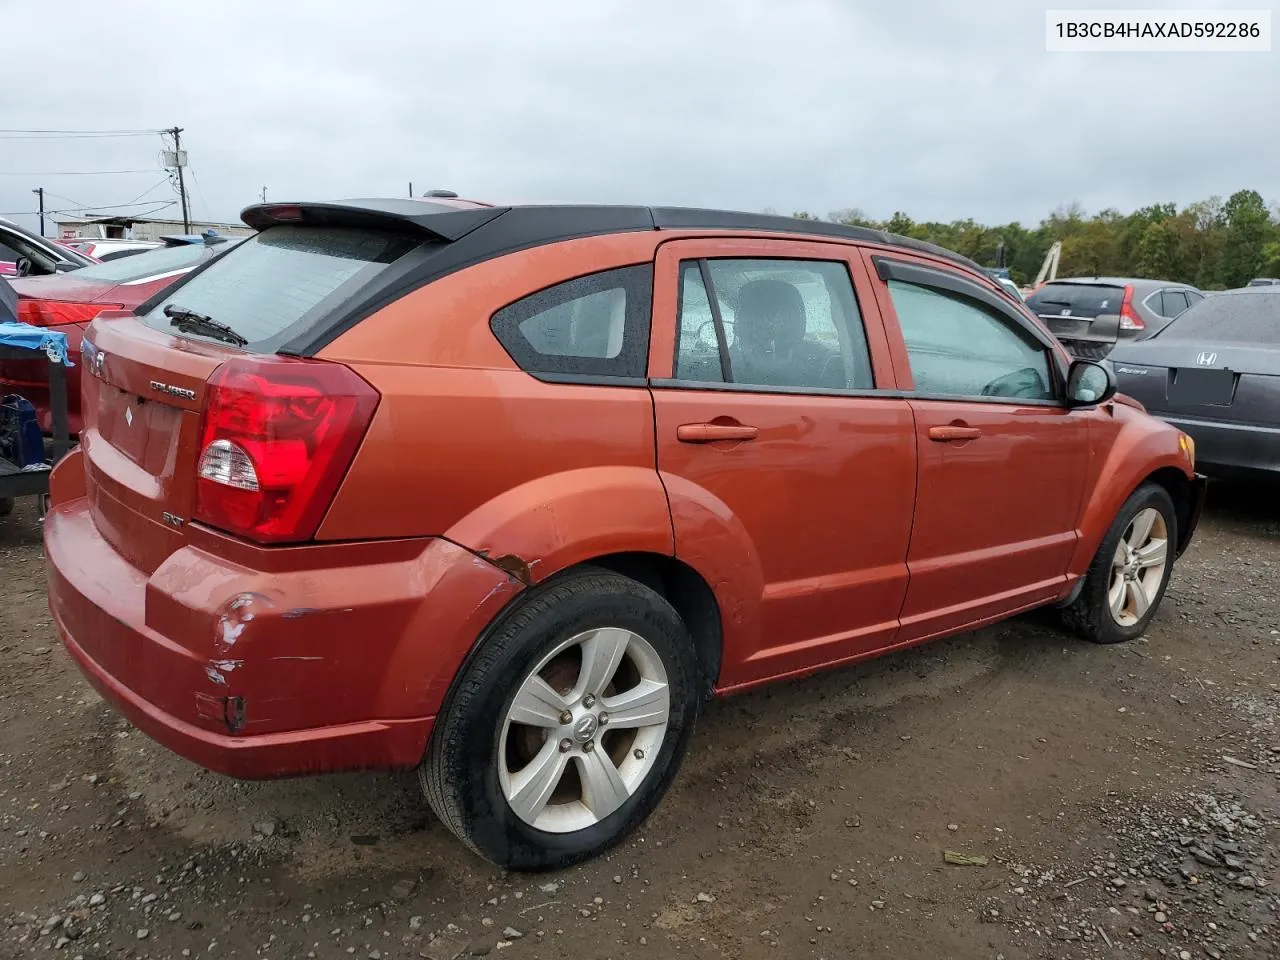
<point>566,716</point>
<point>588,701</point>
<point>589,746</point>
<point>604,718</point>
<point>566,745</point>
<point>639,754</point>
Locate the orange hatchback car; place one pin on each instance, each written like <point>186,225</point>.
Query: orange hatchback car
<point>504,493</point>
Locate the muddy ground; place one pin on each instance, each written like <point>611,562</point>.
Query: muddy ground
<point>1127,800</point>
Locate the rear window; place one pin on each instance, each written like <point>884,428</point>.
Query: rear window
<point>283,278</point>
<point>1230,318</point>
<point>1076,299</point>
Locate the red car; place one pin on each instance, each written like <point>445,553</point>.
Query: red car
<point>68,301</point>
<point>505,493</point>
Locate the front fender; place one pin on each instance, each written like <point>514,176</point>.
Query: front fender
<point>549,524</point>
<point>1129,448</point>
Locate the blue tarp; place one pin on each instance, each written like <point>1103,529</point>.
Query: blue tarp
<point>24,335</point>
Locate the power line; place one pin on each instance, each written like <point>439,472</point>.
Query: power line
<point>104,133</point>
<point>68,173</point>
<point>12,134</point>
<point>106,206</point>
<point>70,200</point>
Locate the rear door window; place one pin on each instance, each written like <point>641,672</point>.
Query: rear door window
<point>791,324</point>
<point>1085,300</point>
<point>279,281</point>
<point>1175,301</point>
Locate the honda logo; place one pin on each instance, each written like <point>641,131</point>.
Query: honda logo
<point>1207,359</point>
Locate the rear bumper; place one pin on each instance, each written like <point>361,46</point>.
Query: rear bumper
<point>376,744</point>
<point>258,675</point>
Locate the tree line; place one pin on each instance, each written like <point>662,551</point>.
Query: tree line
<point>1213,244</point>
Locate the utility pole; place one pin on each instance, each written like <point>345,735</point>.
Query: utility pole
<point>39,192</point>
<point>410,189</point>
<point>264,194</point>
<point>182,183</point>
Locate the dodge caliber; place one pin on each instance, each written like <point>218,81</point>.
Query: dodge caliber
<point>503,494</point>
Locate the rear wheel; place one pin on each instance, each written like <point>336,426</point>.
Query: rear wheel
<point>1129,574</point>
<point>567,725</point>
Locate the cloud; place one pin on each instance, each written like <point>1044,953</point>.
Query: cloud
<point>937,109</point>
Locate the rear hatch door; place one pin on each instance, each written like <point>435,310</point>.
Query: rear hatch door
<point>146,376</point>
<point>141,401</point>
<point>1085,317</point>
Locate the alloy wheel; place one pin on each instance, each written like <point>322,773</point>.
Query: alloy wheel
<point>1138,567</point>
<point>584,730</point>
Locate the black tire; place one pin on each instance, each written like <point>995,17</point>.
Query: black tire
<point>1089,615</point>
<point>6,506</point>
<point>459,774</point>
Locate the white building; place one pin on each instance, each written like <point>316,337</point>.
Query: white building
<point>139,228</point>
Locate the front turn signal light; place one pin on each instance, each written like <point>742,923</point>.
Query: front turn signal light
<point>1188,448</point>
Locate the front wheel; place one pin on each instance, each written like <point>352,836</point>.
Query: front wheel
<point>1129,574</point>
<point>567,725</point>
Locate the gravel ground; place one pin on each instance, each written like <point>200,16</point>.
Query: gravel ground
<point>1116,802</point>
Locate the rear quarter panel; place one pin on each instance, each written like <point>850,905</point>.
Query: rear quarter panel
<point>466,445</point>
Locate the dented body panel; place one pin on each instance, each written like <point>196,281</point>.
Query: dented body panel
<point>338,659</point>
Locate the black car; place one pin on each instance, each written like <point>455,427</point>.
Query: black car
<point>1215,373</point>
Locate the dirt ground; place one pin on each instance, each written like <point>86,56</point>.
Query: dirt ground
<point>1127,800</point>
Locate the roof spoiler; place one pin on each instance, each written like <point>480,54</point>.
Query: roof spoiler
<point>436,221</point>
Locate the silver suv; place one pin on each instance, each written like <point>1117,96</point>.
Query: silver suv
<point>1089,314</point>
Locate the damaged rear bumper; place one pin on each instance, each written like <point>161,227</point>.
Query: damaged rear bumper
<point>311,665</point>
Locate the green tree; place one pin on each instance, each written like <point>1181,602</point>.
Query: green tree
<point>1248,226</point>
<point>1158,251</point>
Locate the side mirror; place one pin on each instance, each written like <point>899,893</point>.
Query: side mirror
<point>1089,383</point>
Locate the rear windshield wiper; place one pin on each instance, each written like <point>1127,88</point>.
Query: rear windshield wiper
<point>1061,303</point>
<point>188,321</point>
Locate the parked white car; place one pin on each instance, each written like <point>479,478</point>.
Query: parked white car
<point>110,248</point>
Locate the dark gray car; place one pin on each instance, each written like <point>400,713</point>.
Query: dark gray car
<point>1214,372</point>
<point>1090,314</point>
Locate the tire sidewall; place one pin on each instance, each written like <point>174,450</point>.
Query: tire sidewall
<point>1108,630</point>
<point>492,826</point>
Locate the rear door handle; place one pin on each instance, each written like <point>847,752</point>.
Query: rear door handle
<point>711,432</point>
<point>953,433</point>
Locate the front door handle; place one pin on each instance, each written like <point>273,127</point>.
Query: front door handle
<point>711,432</point>
<point>953,433</point>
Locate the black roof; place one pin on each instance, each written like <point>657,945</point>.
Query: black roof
<point>515,227</point>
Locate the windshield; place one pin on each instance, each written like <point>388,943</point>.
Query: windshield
<point>149,263</point>
<point>281,277</point>
<point>1230,318</point>
<point>1076,299</point>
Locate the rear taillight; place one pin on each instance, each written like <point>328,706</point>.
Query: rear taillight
<point>56,313</point>
<point>276,440</point>
<point>1129,319</point>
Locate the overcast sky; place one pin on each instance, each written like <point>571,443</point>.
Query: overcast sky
<point>941,109</point>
